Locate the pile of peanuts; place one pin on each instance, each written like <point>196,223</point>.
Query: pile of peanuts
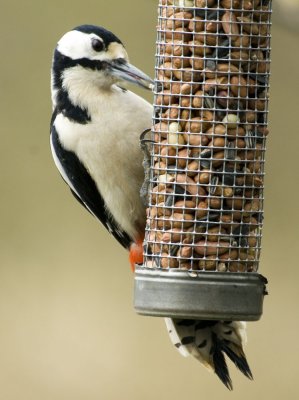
<point>207,166</point>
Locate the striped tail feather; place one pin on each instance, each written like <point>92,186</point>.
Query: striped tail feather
<point>209,341</point>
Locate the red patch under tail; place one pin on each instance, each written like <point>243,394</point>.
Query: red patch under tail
<point>136,253</point>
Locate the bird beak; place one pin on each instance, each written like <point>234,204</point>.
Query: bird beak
<point>121,69</point>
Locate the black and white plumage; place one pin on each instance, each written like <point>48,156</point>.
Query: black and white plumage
<point>96,126</point>
<point>95,130</point>
<point>209,341</point>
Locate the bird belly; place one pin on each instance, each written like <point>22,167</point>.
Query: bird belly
<point>110,151</point>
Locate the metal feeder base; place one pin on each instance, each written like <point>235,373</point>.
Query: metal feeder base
<point>200,295</point>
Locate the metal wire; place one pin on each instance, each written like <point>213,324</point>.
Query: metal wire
<point>210,126</point>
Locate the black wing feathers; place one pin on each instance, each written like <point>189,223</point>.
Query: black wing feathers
<point>85,189</point>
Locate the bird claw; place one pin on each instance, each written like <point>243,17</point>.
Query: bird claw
<point>146,165</point>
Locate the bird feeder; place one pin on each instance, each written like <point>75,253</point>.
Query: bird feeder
<point>205,181</point>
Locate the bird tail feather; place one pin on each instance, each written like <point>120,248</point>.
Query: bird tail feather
<point>209,341</point>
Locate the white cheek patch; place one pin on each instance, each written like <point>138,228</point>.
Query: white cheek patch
<point>75,45</point>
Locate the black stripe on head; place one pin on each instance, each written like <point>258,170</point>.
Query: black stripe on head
<point>62,62</point>
<point>63,102</point>
<point>107,36</point>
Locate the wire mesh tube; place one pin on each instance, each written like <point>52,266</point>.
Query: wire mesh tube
<point>206,177</point>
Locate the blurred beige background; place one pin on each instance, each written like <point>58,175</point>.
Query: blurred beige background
<point>67,326</point>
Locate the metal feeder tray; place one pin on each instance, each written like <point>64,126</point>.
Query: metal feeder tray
<point>200,295</point>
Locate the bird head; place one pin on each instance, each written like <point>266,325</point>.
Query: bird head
<point>93,55</point>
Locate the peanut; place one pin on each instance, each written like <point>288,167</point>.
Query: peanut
<point>196,24</point>
<point>184,205</point>
<point>209,263</point>
<point>173,235</point>
<point>186,74</point>
<point>168,262</point>
<point>230,26</point>
<point>177,48</point>
<point>202,210</point>
<point>181,34</point>
<point>238,86</point>
<point>197,49</point>
<point>197,101</point>
<point>185,252</point>
<point>183,220</point>
<point>207,248</point>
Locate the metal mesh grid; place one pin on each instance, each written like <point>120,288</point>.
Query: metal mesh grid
<point>210,126</point>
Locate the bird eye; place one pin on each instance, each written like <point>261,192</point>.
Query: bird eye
<point>97,44</point>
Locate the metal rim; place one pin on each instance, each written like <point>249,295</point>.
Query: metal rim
<point>200,295</point>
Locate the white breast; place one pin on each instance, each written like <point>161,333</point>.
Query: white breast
<point>109,148</point>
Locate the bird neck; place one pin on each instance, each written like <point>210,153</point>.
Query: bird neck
<point>78,92</point>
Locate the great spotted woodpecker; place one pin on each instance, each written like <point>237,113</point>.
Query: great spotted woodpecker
<point>95,131</point>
